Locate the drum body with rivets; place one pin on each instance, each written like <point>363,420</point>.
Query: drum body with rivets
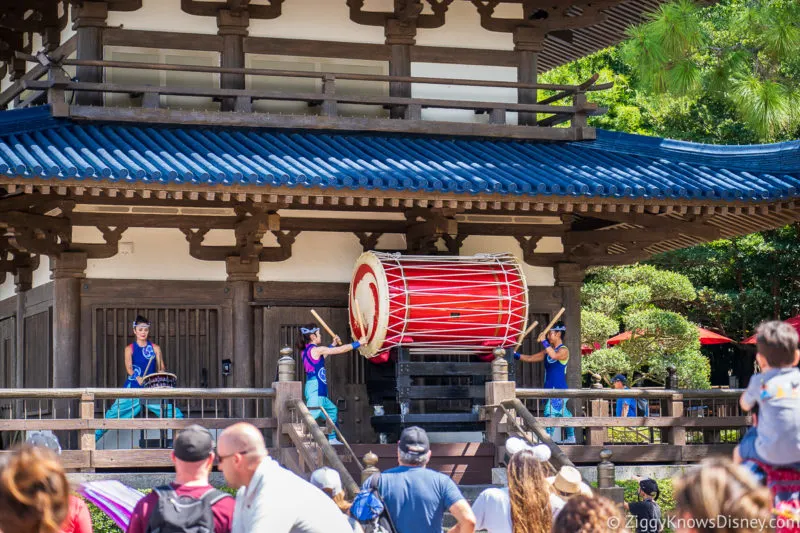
<point>438,304</point>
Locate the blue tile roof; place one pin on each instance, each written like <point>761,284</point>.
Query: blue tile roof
<point>615,165</point>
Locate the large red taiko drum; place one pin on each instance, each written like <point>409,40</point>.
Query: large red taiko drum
<point>437,304</point>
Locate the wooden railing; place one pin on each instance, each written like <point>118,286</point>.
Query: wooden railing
<point>540,117</point>
<point>77,414</point>
<point>681,426</point>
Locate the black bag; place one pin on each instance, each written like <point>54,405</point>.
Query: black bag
<point>183,514</point>
<point>370,510</point>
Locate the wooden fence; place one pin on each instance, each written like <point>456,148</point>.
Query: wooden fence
<point>75,415</point>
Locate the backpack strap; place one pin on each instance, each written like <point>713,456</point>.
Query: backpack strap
<point>214,496</point>
<point>164,491</point>
<point>374,484</point>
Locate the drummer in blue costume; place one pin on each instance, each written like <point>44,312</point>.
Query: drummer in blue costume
<point>142,358</point>
<point>555,356</point>
<point>316,388</point>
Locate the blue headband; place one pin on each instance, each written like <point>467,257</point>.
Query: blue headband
<point>135,324</point>
<point>305,331</point>
<point>558,328</point>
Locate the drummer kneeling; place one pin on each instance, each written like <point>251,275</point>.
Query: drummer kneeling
<point>139,359</point>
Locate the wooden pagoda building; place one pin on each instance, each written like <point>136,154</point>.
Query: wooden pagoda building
<point>218,167</point>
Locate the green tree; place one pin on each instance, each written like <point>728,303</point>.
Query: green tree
<point>741,281</point>
<point>742,52</point>
<point>635,298</point>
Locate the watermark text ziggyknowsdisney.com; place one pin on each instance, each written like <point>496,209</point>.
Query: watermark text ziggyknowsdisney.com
<point>720,521</point>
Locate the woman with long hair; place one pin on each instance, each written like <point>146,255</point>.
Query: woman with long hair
<point>528,504</point>
<point>717,488</point>
<point>34,492</point>
<point>316,388</point>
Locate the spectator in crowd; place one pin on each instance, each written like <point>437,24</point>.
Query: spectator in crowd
<point>646,510</point>
<point>193,457</point>
<point>328,481</point>
<point>418,497</point>
<point>270,498</point>
<point>776,391</point>
<point>568,483</point>
<point>78,519</point>
<point>718,487</point>
<point>34,492</point>
<point>527,505</point>
<point>625,406</point>
<point>584,514</point>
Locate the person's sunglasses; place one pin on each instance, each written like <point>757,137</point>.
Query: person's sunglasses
<point>221,458</point>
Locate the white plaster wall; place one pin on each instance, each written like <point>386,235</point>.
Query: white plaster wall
<point>148,253</point>
<point>7,288</point>
<point>535,276</point>
<point>162,15</point>
<point>155,254</point>
<point>42,274</point>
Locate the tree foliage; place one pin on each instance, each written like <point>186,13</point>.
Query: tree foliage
<point>635,298</point>
<point>743,52</point>
<point>711,112</point>
<point>740,281</point>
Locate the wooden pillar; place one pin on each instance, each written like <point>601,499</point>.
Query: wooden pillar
<point>23,280</point>
<point>528,42</point>
<point>569,276</point>
<point>232,26</point>
<point>241,276</point>
<point>400,36</point>
<point>89,20</point>
<point>68,269</point>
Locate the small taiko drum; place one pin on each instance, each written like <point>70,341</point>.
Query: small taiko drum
<point>438,304</point>
<point>160,380</point>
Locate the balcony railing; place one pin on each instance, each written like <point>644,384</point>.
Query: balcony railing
<point>563,105</point>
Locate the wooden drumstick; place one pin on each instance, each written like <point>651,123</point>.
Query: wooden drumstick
<point>323,324</point>
<point>552,323</point>
<point>360,320</point>
<point>148,366</point>
<point>525,334</point>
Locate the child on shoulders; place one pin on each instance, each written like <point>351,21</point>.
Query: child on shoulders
<point>776,392</point>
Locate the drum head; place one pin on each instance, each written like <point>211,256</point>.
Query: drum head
<point>370,287</point>
<point>158,380</point>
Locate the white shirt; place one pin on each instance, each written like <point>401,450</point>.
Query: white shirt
<point>278,501</point>
<point>492,510</point>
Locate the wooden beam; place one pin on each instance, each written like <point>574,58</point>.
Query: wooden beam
<point>311,122</point>
<point>662,223</point>
<point>619,235</point>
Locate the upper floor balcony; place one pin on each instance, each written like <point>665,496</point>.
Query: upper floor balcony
<point>284,96</point>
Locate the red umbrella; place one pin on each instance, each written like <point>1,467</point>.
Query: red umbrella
<point>706,337</point>
<point>794,322</point>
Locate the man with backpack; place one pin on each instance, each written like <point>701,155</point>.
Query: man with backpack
<point>414,496</point>
<point>189,504</point>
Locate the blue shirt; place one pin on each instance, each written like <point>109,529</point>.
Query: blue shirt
<point>555,371</point>
<point>141,361</point>
<point>417,498</point>
<point>631,402</point>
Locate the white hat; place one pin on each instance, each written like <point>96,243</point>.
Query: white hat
<point>569,481</point>
<point>515,444</point>
<point>327,478</point>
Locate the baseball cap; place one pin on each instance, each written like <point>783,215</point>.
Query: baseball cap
<point>193,444</point>
<point>619,377</point>
<point>326,478</point>
<point>649,487</point>
<point>414,440</point>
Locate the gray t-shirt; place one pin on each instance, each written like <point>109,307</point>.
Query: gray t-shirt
<point>777,392</point>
